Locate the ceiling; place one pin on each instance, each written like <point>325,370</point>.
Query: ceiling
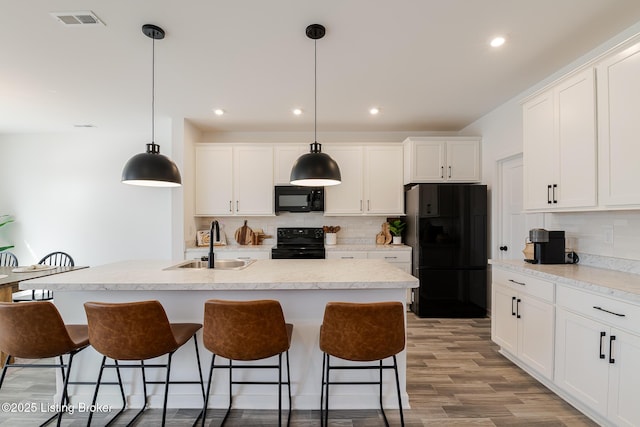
<point>426,64</point>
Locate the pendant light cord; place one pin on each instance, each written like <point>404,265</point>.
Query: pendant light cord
<point>315,91</point>
<point>153,89</point>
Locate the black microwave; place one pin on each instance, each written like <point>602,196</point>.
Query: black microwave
<point>299,199</point>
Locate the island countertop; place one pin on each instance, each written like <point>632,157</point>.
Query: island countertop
<point>262,274</point>
<point>302,287</point>
<point>614,283</point>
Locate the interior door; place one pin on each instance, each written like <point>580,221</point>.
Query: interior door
<point>514,222</point>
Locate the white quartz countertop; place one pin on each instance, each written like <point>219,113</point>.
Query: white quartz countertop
<point>609,282</point>
<point>262,274</point>
<point>263,247</point>
<point>366,247</point>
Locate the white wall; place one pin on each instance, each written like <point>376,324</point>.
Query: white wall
<point>501,132</point>
<point>64,192</point>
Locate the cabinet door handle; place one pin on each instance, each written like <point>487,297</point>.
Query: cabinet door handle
<point>237,206</point>
<point>517,283</point>
<point>230,208</point>
<point>504,248</point>
<point>518,308</point>
<point>449,171</point>
<point>602,335</point>
<point>612,338</point>
<point>554,193</point>
<point>513,311</point>
<point>549,194</point>
<point>360,204</point>
<point>441,171</point>
<point>610,312</point>
<point>368,205</point>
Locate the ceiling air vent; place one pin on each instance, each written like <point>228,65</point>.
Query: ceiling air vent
<point>77,19</point>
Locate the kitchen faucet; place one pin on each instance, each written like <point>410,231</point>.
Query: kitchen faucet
<point>214,226</point>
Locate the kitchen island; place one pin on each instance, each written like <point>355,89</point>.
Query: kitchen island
<point>303,287</point>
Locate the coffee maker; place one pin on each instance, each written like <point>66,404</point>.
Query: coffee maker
<point>548,246</point>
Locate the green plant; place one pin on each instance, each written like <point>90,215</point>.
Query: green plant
<point>397,226</point>
<point>5,219</point>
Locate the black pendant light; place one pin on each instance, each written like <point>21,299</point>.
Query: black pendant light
<point>315,169</point>
<point>152,168</point>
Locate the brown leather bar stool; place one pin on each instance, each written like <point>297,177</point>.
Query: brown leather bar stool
<point>361,332</point>
<point>35,330</point>
<point>247,331</point>
<point>137,331</point>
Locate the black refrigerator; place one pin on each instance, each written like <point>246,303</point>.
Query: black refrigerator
<point>447,229</point>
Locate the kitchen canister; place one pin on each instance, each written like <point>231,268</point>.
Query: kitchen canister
<point>330,238</point>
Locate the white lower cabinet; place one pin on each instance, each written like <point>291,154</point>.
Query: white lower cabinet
<point>523,319</point>
<point>585,347</point>
<point>598,363</point>
<point>346,254</point>
<point>399,258</point>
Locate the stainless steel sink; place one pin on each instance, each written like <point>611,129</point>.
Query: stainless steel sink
<point>220,264</point>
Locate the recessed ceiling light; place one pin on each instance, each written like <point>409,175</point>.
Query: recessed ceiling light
<point>374,110</point>
<point>218,112</point>
<point>497,41</point>
<point>297,111</point>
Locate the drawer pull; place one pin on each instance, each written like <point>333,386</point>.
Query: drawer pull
<point>602,335</point>
<point>346,257</point>
<point>391,257</point>
<point>610,312</point>
<point>513,311</point>
<point>517,283</point>
<point>612,338</point>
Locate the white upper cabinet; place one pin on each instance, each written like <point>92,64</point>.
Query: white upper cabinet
<point>383,189</point>
<point>619,128</point>
<point>284,156</point>
<point>234,179</point>
<point>371,180</point>
<point>559,140</point>
<point>441,159</point>
<point>214,179</point>
<point>345,198</point>
<point>540,157</point>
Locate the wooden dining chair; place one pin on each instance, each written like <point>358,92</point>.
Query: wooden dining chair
<point>8,259</point>
<point>57,259</point>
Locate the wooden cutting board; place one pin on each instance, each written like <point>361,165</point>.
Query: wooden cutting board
<point>244,235</point>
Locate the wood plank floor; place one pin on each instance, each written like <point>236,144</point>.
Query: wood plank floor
<point>455,378</point>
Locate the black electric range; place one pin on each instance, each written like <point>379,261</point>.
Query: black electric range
<point>299,243</point>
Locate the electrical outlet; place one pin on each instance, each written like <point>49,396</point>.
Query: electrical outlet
<point>608,234</point>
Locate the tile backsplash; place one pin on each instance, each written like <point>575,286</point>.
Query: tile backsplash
<point>606,239</point>
<point>353,230</point>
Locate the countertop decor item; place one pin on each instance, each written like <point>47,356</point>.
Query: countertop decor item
<point>315,169</point>
<point>384,236</point>
<point>244,235</point>
<point>397,226</point>
<point>202,238</point>
<point>330,234</point>
<point>152,169</point>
